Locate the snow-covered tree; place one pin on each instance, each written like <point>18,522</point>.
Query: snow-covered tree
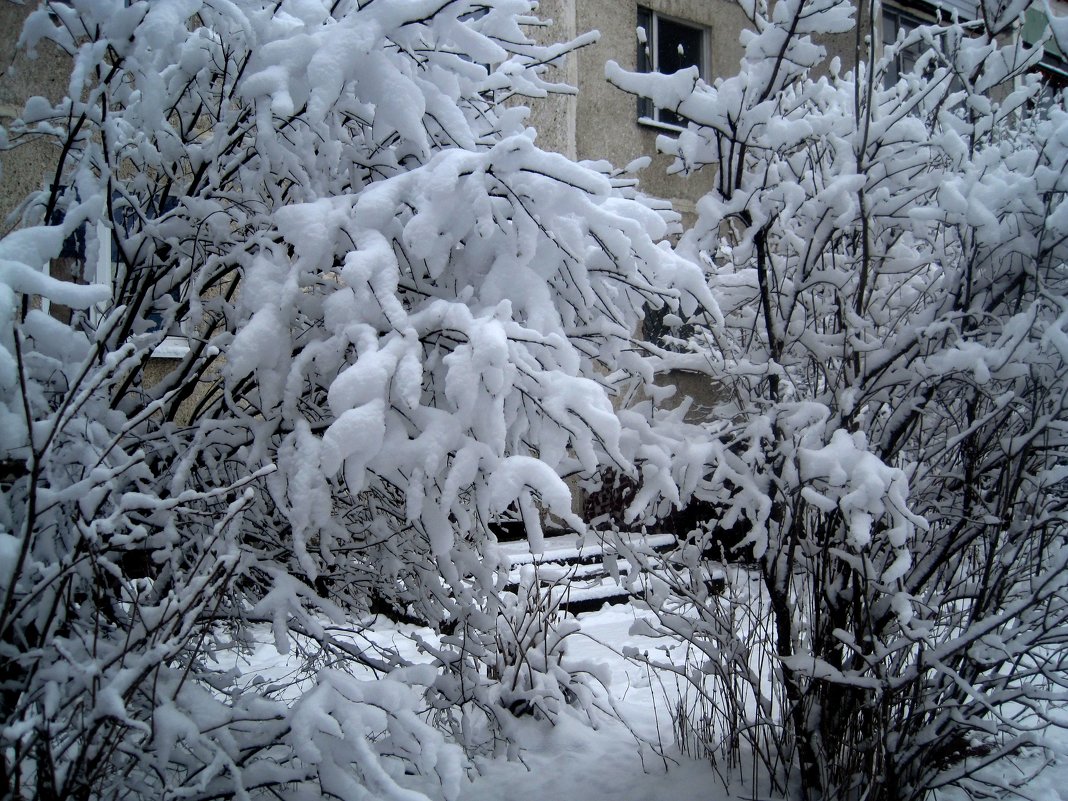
<point>890,355</point>
<point>396,319</point>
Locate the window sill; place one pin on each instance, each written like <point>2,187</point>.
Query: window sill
<point>665,127</point>
<point>171,348</point>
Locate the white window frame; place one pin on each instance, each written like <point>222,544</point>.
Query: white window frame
<point>648,114</point>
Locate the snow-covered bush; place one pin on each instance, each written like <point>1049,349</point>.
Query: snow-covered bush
<point>530,646</point>
<point>388,317</point>
<point>889,340</point>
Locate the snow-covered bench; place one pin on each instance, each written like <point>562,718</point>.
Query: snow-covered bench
<point>584,569</point>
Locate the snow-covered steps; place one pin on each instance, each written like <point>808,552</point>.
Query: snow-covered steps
<point>573,566</point>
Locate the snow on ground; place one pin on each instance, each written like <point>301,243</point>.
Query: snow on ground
<point>604,761</point>
<point>606,764</point>
<point>573,761</point>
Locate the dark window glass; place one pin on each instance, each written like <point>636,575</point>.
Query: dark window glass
<point>668,46</point>
<point>895,23</point>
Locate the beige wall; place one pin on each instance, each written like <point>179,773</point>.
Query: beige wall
<point>30,165</point>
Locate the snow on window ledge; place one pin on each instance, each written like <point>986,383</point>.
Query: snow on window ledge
<point>171,348</point>
<point>668,127</point>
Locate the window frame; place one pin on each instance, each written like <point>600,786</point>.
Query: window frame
<point>648,60</point>
<point>902,20</point>
<point>173,346</point>
<point>1053,68</point>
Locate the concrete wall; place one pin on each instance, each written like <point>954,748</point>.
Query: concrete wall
<point>600,122</point>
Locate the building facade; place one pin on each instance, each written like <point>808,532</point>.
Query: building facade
<point>599,122</point>
<point>603,122</point>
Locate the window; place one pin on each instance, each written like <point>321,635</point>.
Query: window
<point>176,344</point>
<point>73,264</point>
<point>896,23</point>
<point>1054,66</point>
<point>666,330</point>
<point>668,45</point>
